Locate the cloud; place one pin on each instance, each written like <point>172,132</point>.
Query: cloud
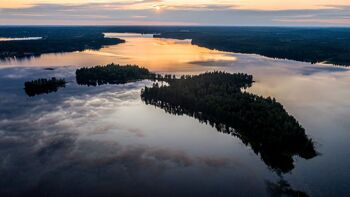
<point>143,13</point>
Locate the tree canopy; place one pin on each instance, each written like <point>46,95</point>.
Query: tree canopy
<point>112,74</point>
<point>217,98</point>
<point>54,40</point>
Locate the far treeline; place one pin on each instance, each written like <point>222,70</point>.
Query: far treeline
<point>307,44</point>
<point>54,40</point>
<point>217,98</point>
<point>330,45</point>
<point>301,44</point>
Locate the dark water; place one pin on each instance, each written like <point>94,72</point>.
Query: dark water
<point>106,141</point>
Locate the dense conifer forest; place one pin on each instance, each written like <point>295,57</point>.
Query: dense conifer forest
<point>330,45</point>
<point>307,44</point>
<point>112,74</point>
<point>54,40</point>
<point>314,45</point>
<point>217,98</point>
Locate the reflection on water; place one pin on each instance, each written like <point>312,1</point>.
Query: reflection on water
<point>159,55</point>
<point>282,188</point>
<point>43,86</point>
<point>88,132</point>
<point>280,160</point>
<point>104,140</point>
<point>19,39</point>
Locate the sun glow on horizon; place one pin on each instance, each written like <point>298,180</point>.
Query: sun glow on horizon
<point>157,8</point>
<point>144,4</point>
<point>174,12</point>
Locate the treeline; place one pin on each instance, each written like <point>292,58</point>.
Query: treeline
<point>330,45</point>
<point>54,40</point>
<point>217,98</point>
<point>297,43</point>
<point>112,74</point>
<point>43,86</point>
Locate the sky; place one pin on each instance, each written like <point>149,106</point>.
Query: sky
<point>176,12</point>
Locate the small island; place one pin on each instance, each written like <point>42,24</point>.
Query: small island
<point>43,86</point>
<point>217,98</point>
<point>112,74</point>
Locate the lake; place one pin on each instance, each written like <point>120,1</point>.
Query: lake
<point>19,39</point>
<point>104,140</point>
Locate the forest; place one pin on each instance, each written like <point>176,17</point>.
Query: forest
<point>328,45</point>
<point>43,86</point>
<point>219,99</point>
<point>307,44</point>
<point>312,45</point>
<point>54,40</point>
<point>112,74</point>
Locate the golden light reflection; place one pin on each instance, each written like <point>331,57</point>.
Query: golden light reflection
<point>157,8</point>
<point>165,54</point>
<point>159,55</point>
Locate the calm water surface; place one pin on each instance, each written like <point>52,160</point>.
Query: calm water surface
<point>19,39</point>
<point>105,140</point>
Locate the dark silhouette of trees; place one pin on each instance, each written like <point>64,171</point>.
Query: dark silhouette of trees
<point>312,45</point>
<point>112,74</point>
<point>297,43</point>
<point>43,86</point>
<point>217,98</point>
<point>54,40</point>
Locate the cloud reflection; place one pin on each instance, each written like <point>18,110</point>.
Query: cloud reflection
<point>56,141</point>
<point>78,140</point>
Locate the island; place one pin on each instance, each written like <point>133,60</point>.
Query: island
<point>43,86</point>
<point>218,98</point>
<point>112,74</point>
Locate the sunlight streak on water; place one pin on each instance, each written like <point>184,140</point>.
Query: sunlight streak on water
<point>19,39</point>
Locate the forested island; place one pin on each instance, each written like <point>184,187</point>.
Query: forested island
<point>217,98</point>
<point>43,86</point>
<point>54,40</point>
<point>112,74</point>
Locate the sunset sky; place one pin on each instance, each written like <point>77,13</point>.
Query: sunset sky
<point>176,12</point>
